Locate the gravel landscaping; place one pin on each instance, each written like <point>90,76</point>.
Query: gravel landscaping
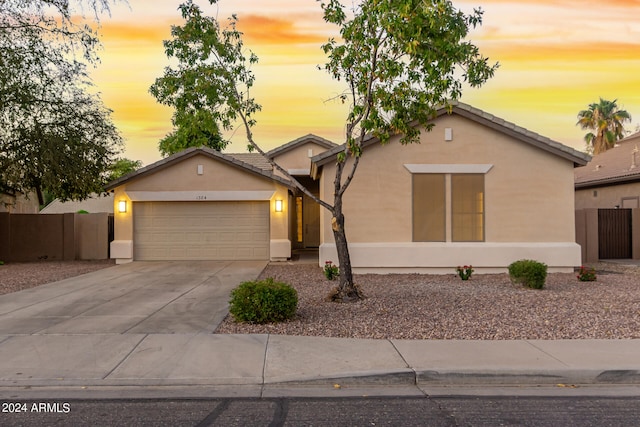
<point>17,276</point>
<point>486,307</point>
<point>412,306</point>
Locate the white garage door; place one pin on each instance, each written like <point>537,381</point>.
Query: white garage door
<point>201,231</point>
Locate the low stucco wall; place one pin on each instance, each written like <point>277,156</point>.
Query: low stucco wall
<point>443,258</point>
<point>587,234</point>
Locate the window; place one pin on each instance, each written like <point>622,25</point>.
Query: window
<point>299,219</point>
<point>467,208</point>
<point>429,208</point>
<point>448,207</point>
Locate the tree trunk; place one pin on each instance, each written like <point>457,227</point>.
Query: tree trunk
<point>347,290</point>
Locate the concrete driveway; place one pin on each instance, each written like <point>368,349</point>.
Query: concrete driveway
<point>188,297</point>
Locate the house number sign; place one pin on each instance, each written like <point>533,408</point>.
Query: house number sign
<point>201,197</point>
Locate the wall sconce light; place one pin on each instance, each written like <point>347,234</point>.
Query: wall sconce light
<point>122,206</point>
<point>278,205</point>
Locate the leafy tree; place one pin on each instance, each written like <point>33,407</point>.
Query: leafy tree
<point>400,60</point>
<point>191,88</point>
<point>122,167</point>
<point>606,121</point>
<point>54,133</point>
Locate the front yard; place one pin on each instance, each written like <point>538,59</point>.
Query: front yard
<point>487,307</point>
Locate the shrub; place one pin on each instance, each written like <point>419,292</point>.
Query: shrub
<point>465,272</point>
<point>263,301</point>
<point>586,274</point>
<point>528,273</point>
<point>331,271</point>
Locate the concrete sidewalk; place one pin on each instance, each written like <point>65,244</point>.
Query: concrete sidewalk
<point>120,361</point>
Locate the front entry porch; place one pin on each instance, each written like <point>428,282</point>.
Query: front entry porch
<point>305,216</point>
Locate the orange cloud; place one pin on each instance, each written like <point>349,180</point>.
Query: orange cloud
<point>268,30</point>
<point>136,32</point>
<point>568,51</point>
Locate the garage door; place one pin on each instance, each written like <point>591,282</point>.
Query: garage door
<point>201,230</point>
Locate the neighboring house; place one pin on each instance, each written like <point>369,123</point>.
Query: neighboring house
<point>607,197</point>
<point>611,179</point>
<point>476,190</point>
<point>19,203</point>
<point>96,203</point>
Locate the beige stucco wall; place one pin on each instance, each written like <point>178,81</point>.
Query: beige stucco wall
<point>19,203</point>
<point>528,196</point>
<point>219,181</point>
<point>608,197</point>
<point>298,157</point>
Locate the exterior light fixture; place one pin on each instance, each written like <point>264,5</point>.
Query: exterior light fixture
<point>278,205</point>
<point>122,206</point>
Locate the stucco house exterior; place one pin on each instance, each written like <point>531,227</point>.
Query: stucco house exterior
<point>203,204</point>
<point>611,179</point>
<point>477,190</point>
<point>16,202</point>
<point>607,198</point>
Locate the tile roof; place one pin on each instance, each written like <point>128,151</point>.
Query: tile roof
<point>577,157</point>
<point>253,159</point>
<point>617,165</point>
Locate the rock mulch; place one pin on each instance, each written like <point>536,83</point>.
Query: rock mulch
<point>486,307</point>
<point>17,276</point>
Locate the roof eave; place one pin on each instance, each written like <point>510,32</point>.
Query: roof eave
<point>303,139</point>
<point>486,119</point>
<point>517,132</point>
<point>617,180</point>
<point>190,152</point>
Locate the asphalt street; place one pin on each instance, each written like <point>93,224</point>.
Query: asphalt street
<point>443,411</point>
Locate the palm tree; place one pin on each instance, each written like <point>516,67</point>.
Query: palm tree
<point>607,121</point>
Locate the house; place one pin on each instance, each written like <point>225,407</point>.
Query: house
<point>477,190</point>
<point>203,204</point>
<point>612,178</point>
<point>607,198</point>
<point>16,202</point>
<point>95,203</point>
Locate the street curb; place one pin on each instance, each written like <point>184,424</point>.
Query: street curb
<point>454,378</point>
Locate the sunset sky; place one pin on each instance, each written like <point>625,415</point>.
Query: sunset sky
<point>556,57</point>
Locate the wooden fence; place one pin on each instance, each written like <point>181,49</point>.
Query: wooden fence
<point>70,236</point>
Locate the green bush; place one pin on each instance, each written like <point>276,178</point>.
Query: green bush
<point>263,301</point>
<point>528,273</point>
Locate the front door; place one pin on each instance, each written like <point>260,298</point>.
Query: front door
<point>306,218</point>
<point>311,222</point>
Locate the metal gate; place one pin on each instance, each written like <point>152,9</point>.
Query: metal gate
<point>614,233</point>
<point>112,233</point>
